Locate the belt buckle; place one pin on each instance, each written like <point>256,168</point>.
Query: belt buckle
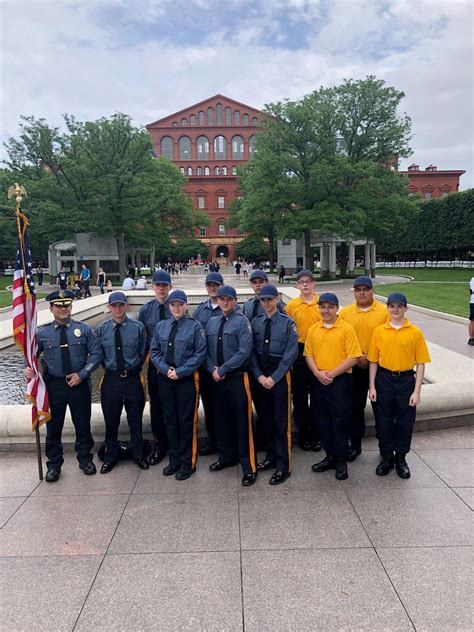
<point>124,373</point>
<point>396,373</point>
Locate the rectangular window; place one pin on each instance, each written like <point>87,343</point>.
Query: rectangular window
<point>202,231</point>
<point>201,202</point>
<point>427,195</point>
<point>221,230</point>
<point>220,201</point>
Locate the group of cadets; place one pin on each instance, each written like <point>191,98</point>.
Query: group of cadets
<point>324,359</point>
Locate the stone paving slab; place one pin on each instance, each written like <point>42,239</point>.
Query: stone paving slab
<point>466,494</point>
<point>192,591</point>
<point>450,438</point>
<point>18,476</point>
<point>454,466</point>
<point>8,506</point>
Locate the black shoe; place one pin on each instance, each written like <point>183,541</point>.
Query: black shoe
<point>470,342</point>
<point>304,445</point>
<point>341,471</point>
<point>142,464</point>
<point>157,456</point>
<point>170,469</point>
<point>386,464</point>
<point>219,465</point>
<point>106,468</point>
<point>265,465</point>
<point>207,450</point>
<point>328,463</point>
<point>352,456</point>
<point>89,469</point>
<point>52,475</point>
<point>316,446</point>
<point>248,480</point>
<point>278,478</point>
<point>182,475</point>
<point>403,470</point>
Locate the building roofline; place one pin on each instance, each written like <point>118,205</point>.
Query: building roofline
<point>437,172</point>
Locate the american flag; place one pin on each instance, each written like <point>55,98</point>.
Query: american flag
<point>24,322</point>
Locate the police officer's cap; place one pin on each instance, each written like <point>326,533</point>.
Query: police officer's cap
<point>117,297</point>
<point>363,280</point>
<point>328,297</point>
<point>258,274</point>
<point>60,297</point>
<point>397,297</point>
<point>160,276</point>
<point>178,295</point>
<point>268,291</point>
<point>303,273</point>
<point>227,290</point>
<point>215,277</point>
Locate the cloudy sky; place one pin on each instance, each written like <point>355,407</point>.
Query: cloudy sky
<point>150,58</point>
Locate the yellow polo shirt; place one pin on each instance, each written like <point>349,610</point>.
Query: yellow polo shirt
<point>330,347</point>
<point>304,314</point>
<point>365,321</point>
<point>398,349</point>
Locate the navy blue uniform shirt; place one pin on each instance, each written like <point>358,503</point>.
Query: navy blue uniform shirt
<point>149,315</point>
<point>84,348</point>
<point>205,311</point>
<point>134,343</point>
<point>189,346</point>
<point>237,343</point>
<point>249,307</point>
<point>283,343</point>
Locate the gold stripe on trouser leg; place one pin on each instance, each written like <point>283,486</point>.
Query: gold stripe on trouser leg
<point>288,382</point>
<point>249,421</point>
<point>195,420</point>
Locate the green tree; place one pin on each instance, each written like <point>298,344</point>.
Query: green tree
<point>189,247</point>
<point>252,248</point>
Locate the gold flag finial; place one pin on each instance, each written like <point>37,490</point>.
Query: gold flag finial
<point>18,191</point>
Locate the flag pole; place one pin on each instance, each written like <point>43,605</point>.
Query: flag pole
<point>38,452</point>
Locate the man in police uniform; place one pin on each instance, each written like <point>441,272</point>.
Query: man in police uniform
<point>275,348</point>
<point>206,310</point>
<point>70,353</point>
<point>177,350</point>
<point>365,314</point>
<point>124,347</point>
<point>229,347</point>
<point>150,314</point>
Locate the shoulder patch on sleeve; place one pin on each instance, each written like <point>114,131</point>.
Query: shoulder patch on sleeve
<point>249,327</point>
<point>293,328</point>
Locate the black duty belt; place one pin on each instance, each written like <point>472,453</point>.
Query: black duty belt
<point>301,348</point>
<point>397,373</point>
<point>123,374</point>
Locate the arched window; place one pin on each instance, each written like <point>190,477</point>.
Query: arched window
<point>219,114</point>
<point>236,117</point>
<point>221,228</point>
<point>234,171</point>
<point>227,116</point>
<point>181,170</point>
<point>184,148</point>
<point>252,140</point>
<point>184,122</point>
<point>245,119</point>
<point>217,171</point>
<point>202,145</point>
<point>190,171</point>
<point>202,118</point>
<point>199,171</point>
<point>207,171</point>
<point>220,148</point>
<point>224,171</point>
<point>175,124</point>
<point>192,119</point>
<point>167,147</point>
<point>210,116</point>
<point>237,148</point>
<point>255,121</point>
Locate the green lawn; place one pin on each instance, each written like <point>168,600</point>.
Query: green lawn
<point>429,274</point>
<point>451,298</point>
<point>6,298</point>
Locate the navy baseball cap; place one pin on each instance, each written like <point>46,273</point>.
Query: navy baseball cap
<point>227,290</point>
<point>397,297</point>
<point>215,277</point>
<point>177,295</point>
<point>363,280</point>
<point>160,276</point>
<point>269,291</point>
<point>258,274</point>
<point>328,297</point>
<point>305,272</point>
<point>117,297</point>
<point>60,297</point>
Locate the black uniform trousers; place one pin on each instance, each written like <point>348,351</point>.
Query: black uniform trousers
<point>258,425</point>
<point>78,398</point>
<point>115,393</point>
<point>156,414</point>
<point>205,390</point>
<point>360,389</point>
<point>333,403</point>
<point>179,401</point>
<point>305,416</point>
<point>276,416</point>
<point>394,418</point>
<point>233,415</point>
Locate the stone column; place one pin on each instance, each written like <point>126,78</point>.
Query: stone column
<point>351,265</point>
<point>324,260</point>
<point>332,260</point>
<point>367,259</point>
<point>372,260</point>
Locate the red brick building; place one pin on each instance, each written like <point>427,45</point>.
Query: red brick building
<point>208,141</point>
<point>432,183</point>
